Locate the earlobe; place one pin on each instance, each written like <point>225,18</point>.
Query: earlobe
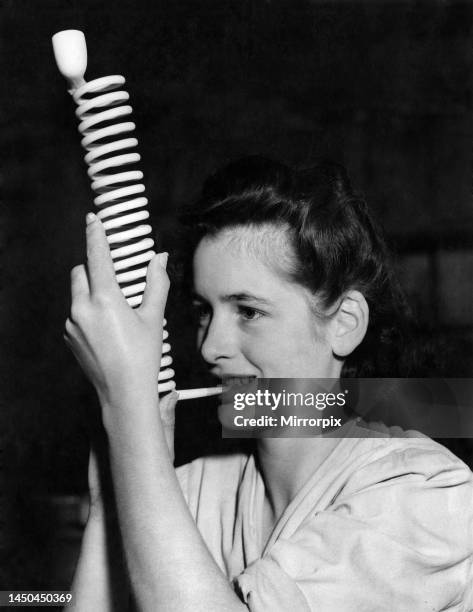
<point>349,323</point>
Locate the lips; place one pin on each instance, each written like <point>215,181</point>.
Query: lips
<point>237,381</point>
<point>234,387</point>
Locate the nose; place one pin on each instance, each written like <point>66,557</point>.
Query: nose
<point>217,341</point>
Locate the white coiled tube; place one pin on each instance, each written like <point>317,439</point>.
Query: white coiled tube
<point>103,112</point>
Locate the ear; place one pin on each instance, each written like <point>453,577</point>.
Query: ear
<point>349,323</point>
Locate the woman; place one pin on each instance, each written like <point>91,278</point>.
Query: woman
<point>290,280</point>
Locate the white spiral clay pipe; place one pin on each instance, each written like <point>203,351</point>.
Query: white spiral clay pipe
<point>120,194</point>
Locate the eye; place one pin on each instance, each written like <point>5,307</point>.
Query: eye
<point>249,314</point>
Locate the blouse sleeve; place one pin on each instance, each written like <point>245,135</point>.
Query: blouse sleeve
<point>399,537</point>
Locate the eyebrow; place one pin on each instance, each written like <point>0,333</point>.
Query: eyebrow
<point>237,297</point>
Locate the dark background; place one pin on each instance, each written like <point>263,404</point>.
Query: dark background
<point>383,87</point>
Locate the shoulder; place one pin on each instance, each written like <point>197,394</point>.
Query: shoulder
<point>392,456</point>
<point>413,491</point>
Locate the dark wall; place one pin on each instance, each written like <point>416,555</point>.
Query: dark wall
<point>384,87</point>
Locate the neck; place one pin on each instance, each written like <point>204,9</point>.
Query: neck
<point>287,463</point>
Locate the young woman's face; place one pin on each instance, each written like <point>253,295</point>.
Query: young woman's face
<point>252,321</point>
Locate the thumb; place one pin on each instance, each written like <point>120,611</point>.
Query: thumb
<point>157,288</point>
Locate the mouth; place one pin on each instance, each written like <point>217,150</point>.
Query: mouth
<point>237,381</point>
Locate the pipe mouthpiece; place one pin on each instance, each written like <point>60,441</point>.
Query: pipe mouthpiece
<point>70,52</point>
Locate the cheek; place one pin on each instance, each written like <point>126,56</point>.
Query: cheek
<point>260,347</point>
<point>271,352</point>
<point>289,351</point>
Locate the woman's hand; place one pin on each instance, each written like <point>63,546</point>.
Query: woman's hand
<point>118,348</point>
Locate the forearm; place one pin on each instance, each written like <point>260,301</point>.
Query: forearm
<point>100,581</point>
<point>169,565</point>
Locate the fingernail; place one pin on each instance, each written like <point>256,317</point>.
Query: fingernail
<point>90,218</point>
<point>175,396</point>
<point>163,259</point>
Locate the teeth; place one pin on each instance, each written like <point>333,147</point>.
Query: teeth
<point>235,381</point>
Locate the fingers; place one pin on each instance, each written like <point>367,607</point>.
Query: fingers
<point>79,283</point>
<point>157,287</point>
<point>99,261</point>
<point>70,333</point>
<point>69,329</point>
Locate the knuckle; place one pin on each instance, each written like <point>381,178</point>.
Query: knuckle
<point>92,251</point>
<point>76,271</point>
<point>103,300</point>
<point>78,311</point>
<point>96,248</point>
<point>68,329</point>
<point>164,280</point>
<point>93,228</point>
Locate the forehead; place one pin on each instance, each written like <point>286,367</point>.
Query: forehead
<point>244,260</point>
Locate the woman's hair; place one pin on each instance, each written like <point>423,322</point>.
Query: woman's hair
<point>337,246</point>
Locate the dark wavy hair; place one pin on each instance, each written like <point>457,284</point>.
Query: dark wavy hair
<point>336,244</point>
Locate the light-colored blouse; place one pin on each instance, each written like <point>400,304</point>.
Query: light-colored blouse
<point>384,523</point>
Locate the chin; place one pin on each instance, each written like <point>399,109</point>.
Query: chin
<point>227,412</point>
